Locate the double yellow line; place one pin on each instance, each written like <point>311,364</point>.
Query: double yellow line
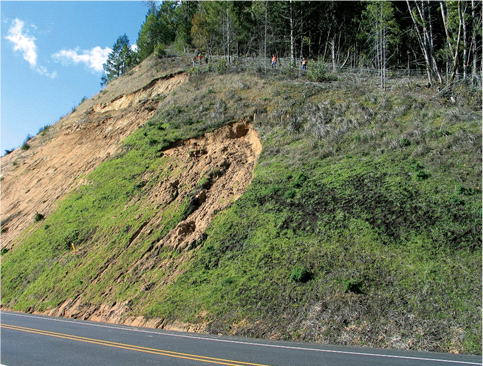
<point>186,356</point>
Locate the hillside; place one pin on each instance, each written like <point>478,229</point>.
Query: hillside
<point>238,202</point>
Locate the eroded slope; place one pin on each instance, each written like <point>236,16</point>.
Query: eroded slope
<point>205,174</point>
<point>57,160</point>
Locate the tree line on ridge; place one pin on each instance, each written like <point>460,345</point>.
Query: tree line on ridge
<point>443,38</point>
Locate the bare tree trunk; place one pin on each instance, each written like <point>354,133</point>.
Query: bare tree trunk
<point>457,51</point>
<point>430,37</point>
<point>334,68</point>
<point>445,25</point>
<point>326,44</point>
<point>465,48</point>
<point>292,40</point>
<point>383,51</point>
<point>228,31</point>
<point>223,29</point>
<point>266,22</point>
<point>449,53</point>
<point>422,39</point>
<point>474,66</point>
<point>310,42</point>
<point>347,58</point>
<point>301,40</point>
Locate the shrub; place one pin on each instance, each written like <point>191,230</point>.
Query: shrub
<point>195,70</point>
<point>38,217</point>
<point>300,275</point>
<point>25,146</point>
<point>72,237</point>
<point>43,130</point>
<point>160,50</point>
<point>290,194</point>
<point>317,72</point>
<point>417,166</point>
<point>221,67</point>
<point>467,191</point>
<point>299,180</point>
<point>405,142</point>
<point>291,72</point>
<point>205,182</point>
<point>457,202</point>
<point>353,286</point>
<point>228,280</point>
<point>272,190</point>
<point>421,175</point>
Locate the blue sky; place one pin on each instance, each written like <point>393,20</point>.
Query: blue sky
<point>51,57</point>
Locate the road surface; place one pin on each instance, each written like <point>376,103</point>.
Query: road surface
<point>38,340</point>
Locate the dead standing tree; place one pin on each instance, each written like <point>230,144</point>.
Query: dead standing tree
<point>420,12</point>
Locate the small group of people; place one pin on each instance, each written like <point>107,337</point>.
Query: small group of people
<point>198,58</point>
<point>303,63</point>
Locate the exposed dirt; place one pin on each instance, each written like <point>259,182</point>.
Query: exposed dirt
<point>56,162</point>
<point>212,171</point>
<point>217,168</point>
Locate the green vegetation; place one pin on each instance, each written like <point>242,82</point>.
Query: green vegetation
<point>43,130</point>
<point>25,146</point>
<point>119,61</point>
<point>386,36</point>
<point>38,217</point>
<point>362,224</point>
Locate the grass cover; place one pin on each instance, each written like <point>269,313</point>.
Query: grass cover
<point>362,225</point>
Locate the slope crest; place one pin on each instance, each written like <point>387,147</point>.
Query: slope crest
<point>34,180</point>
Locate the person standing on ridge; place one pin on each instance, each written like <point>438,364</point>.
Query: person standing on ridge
<point>304,64</point>
<point>274,61</point>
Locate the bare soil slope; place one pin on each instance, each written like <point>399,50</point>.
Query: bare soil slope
<point>57,160</point>
<point>210,172</point>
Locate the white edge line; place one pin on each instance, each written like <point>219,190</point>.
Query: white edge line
<point>161,332</point>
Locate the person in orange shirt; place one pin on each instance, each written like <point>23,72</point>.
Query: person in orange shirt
<point>304,64</point>
<point>274,61</point>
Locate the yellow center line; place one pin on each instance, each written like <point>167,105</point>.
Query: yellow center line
<point>187,356</point>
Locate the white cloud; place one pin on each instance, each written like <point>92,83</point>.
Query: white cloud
<point>26,44</point>
<point>43,71</point>
<point>23,42</point>
<point>94,58</point>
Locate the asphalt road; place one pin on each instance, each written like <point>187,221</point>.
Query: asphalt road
<point>39,340</point>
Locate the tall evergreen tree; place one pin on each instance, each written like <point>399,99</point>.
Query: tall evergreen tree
<point>184,14</point>
<point>158,28</point>
<point>119,60</point>
<point>148,36</point>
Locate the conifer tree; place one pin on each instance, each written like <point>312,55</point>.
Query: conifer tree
<point>119,60</point>
<point>148,36</point>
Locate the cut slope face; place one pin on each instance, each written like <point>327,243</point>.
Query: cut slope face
<point>33,180</point>
<point>187,183</point>
<point>209,172</point>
